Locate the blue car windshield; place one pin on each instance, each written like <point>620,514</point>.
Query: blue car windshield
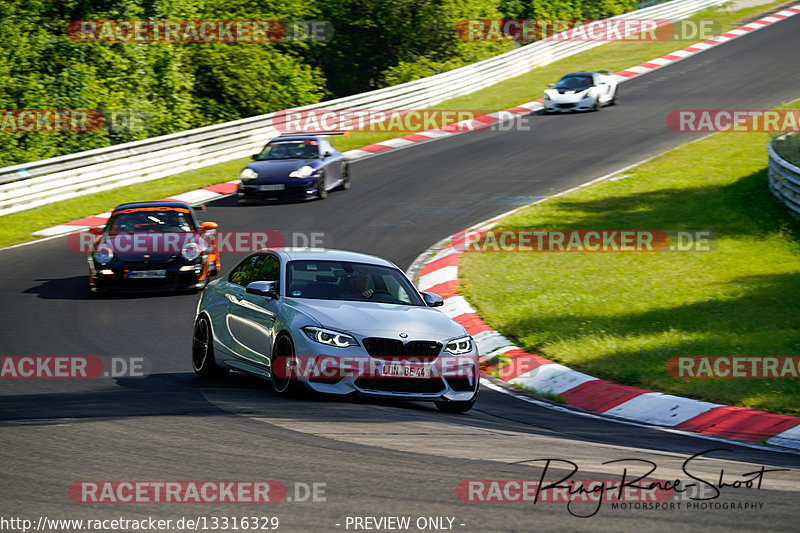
<point>575,83</point>
<point>342,280</point>
<point>304,149</point>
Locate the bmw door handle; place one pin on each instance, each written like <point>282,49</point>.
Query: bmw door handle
<point>233,298</point>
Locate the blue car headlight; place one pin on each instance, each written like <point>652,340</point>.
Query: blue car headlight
<point>459,346</point>
<point>248,174</point>
<point>302,172</point>
<point>329,337</point>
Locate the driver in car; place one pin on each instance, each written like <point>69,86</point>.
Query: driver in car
<point>358,284</point>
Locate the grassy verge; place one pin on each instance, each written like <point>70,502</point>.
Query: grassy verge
<point>19,227</point>
<point>621,316</point>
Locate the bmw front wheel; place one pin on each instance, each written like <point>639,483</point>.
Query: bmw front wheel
<point>456,407</point>
<point>282,367</point>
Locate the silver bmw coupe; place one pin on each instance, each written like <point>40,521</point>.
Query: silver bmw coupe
<point>334,322</point>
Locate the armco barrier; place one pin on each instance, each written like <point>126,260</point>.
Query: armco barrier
<point>784,179</point>
<point>52,180</point>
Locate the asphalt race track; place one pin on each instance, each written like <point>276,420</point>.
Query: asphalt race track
<point>376,459</point>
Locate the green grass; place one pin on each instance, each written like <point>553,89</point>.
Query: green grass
<point>19,227</point>
<point>789,148</point>
<point>621,316</point>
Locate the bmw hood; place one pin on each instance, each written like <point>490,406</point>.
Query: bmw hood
<point>279,168</point>
<point>568,96</point>
<point>381,319</point>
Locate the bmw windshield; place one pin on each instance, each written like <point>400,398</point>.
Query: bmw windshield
<point>341,280</point>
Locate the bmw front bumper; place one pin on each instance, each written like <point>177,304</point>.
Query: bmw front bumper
<point>352,370</point>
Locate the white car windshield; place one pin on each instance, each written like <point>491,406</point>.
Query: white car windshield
<point>575,83</point>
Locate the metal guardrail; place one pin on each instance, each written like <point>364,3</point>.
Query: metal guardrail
<point>52,180</point>
<point>784,179</point>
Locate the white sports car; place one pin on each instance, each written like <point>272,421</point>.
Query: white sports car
<point>581,91</point>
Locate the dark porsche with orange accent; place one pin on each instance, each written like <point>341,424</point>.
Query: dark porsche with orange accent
<point>153,246</point>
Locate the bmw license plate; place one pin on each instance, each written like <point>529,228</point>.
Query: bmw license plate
<point>278,187</point>
<point>400,370</point>
<point>141,274</point>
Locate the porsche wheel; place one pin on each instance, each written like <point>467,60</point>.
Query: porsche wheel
<point>345,177</point>
<point>322,192</point>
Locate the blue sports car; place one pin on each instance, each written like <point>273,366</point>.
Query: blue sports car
<point>294,167</point>
<point>334,322</point>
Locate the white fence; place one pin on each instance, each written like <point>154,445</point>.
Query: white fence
<point>784,179</point>
<point>52,180</point>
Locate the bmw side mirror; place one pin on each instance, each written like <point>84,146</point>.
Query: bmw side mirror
<point>254,157</point>
<point>327,154</point>
<point>263,288</point>
<point>432,299</point>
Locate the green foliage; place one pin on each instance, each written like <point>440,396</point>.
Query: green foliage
<point>171,87</point>
<point>380,43</point>
<point>565,9</point>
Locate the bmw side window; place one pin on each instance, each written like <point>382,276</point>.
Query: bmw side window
<point>269,269</point>
<point>243,274</point>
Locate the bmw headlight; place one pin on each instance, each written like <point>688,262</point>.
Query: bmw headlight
<point>104,254</point>
<point>248,174</point>
<point>190,251</point>
<point>331,338</point>
<point>459,346</point>
<point>302,172</point>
